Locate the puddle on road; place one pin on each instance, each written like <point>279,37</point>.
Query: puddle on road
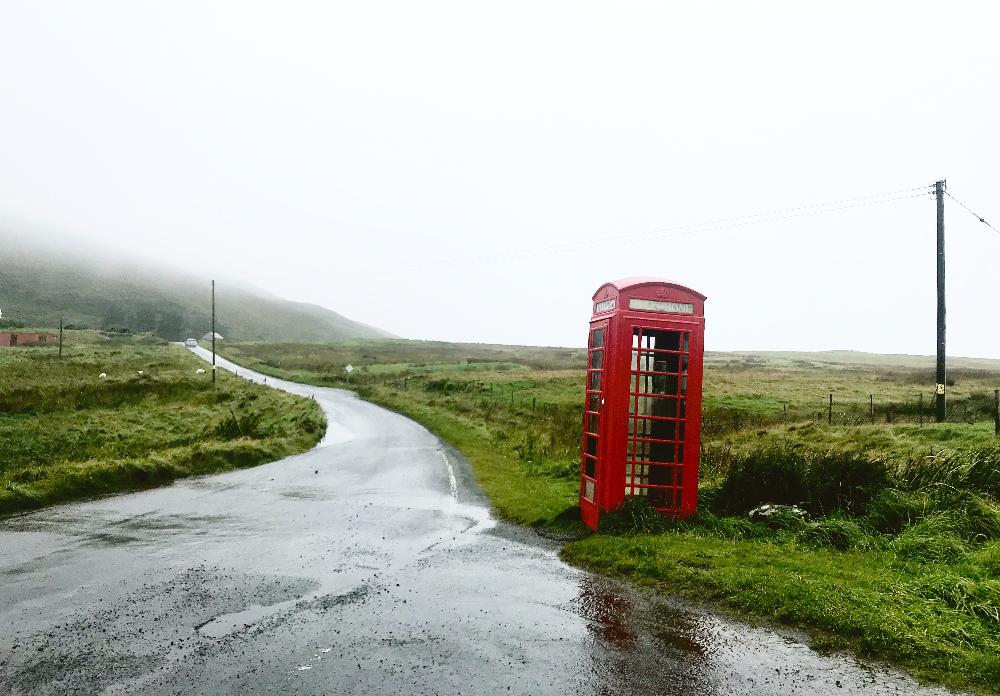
<point>224,625</point>
<point>245,619</point>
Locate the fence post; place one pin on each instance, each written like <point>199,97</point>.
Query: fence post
<point>784,413</point>
<point>996,411</point>
<point>871,407</point>
<point>829,412</point>
<point>532,404</point>
<point>921,409</point>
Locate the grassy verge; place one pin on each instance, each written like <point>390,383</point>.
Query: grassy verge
<point>69,434</point>
<point>937,620</point>
<point>892,550</point>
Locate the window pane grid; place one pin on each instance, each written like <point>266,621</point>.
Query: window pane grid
<point>591,418</point>
<point>657,416</point>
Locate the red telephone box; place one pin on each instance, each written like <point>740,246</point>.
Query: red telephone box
<point>642,416</point>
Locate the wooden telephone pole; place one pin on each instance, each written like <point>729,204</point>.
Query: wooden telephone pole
<point>942,377</point>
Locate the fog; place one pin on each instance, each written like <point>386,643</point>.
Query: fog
<point>464,171</point>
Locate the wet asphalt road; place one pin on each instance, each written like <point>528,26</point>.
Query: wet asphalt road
<point>369,565</point>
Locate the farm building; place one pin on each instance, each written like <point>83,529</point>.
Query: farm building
<point>10,339</point>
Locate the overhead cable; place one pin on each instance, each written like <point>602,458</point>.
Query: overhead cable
<point>709,226</point>
<point>977,215</point>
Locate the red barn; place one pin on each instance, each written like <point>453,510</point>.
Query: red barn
<point>9,339</point>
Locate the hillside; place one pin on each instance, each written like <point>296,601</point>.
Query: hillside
<point>41,282</point>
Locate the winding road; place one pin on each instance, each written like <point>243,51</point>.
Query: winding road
<point>369,565</point>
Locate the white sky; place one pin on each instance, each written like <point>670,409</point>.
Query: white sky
<point>354,154</point>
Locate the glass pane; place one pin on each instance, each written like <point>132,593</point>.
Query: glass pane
<point>662,452</point>
<point>656,406</point>
<point>664,362</point>
<point>594,402</point>
<point>595,381</point>
<point>589,467</point>
<point>592,423</point>
<point>588,490</point>
<point>597,338</point>
<point>592,445</point>
<point>658,497</point>
<point>661,340</point>
<point>596,359</point>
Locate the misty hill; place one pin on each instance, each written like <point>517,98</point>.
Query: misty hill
<point>42,281</point>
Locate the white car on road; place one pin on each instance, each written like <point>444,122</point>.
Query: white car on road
<point>191,343</point>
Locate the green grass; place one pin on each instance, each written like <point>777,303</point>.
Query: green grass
<point>69,434</point>
<point>899,558</point>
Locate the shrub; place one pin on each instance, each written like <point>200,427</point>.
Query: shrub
<point>635,515</point>
<point>734,528</point>
<point>935,539</point>
<point>981,516</point>
<point>977,470</point>
<point>987,557</point>
<point>769,475</point>
<point>845,481</point>
<point>960,593</point>
<point>893,510</point>
<point>233,426</point>
<point>839,533</point>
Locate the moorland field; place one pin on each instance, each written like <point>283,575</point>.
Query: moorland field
<point>66,433</point>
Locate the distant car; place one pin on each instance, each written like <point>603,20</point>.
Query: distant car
<point>191,343</point>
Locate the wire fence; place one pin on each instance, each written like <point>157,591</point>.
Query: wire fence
<point>918,410</point>
<point>829,409</point>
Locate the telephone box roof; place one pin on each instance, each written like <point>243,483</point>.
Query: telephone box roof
<point>627,283</point>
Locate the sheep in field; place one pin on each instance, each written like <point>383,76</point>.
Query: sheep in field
<point>103,375</point>
<point>199,371</point>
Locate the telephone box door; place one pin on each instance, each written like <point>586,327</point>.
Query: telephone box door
<point>590,484</point>
<point>655,453</point>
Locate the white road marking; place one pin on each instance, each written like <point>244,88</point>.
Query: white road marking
<point>452,483</point>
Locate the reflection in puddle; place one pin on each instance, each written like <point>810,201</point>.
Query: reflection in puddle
<point>615,618</point>
<point>607,610</point>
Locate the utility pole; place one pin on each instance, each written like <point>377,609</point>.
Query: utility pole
<point>60,336</point>
<point>939,403</point>
<point>213,332</point>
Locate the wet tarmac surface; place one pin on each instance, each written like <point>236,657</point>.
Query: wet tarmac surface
<point>369,565</point>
